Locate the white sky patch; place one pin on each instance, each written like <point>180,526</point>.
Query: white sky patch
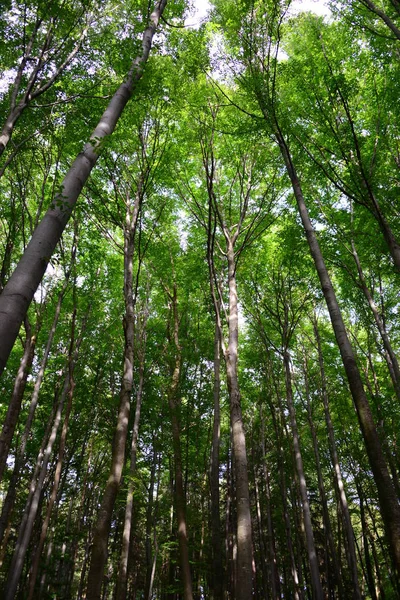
<point>6,79</point>
<point>318,7</point>
<point>201,8</point>
<point>182,225</point>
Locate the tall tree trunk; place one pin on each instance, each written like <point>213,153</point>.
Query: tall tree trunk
<point>390,356</point>
<point>100,541</point>
<point>334,579</point>
<point>272,557</point>
<point>14,406</point>
<point>126,536</point>
<point>37,486</point>
<point>339,485</point>
<point>19,291</point>
<point>367,556</point>
<point>56,483</point>
<point>229,535</point>
<point>375,393</point>
<point>261,559</point>
<point>102,530</point>
<point>79,520</point>
<point>216,564</point>
<point>150,523</point>
<point>244,543</point>
<point>311,551</point>
<point>25,532</point>
<point>297,590</point>
<point>387,496</point>
<point>180,500</point>
<point>12,488</point>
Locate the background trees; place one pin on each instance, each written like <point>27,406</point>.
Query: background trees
<point>241,468</point>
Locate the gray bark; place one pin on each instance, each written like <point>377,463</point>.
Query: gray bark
<point>14,407</point>
<point>12,488</point>
<point>244,578</point>
<point>272,558</point>
<point>338,478</point>
<point>126,536</point>
<point>387,496</point>
<point>216,565</point>
<point>390,356</point>
<point>311,551</point>
<point>180,498</point>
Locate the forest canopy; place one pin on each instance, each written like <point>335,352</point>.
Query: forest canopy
<point>199,291</point>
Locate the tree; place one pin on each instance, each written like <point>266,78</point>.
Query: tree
<point>135,462</point>
<point>20,288</point>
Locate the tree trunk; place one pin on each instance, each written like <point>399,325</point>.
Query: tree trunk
<point>82,487</point>
<point>9,125</point>
<point>126,536</point>
<point>244,544</point>
<point>14,406</point>
<point>37,486</point>
<point>150,524</point>
<point>297,590</point>
<point>26,528</point>
<point>262,558</point>
<point>367,556</point>
<point>180,500</point>
<point>102,530</point>
<point>19,291</point>
<point>339,486</point>
<point>311,552</point>
<point>272,558</point>
<point>216,564</point>
<point>390,356</point>
<point>382,15</point>
<point>387,496</point>
<point>334,579</point>
<point>56,483</point>
<point>12,488</point>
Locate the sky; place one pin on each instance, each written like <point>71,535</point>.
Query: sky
<point>202,7</point>
<point>318,7</point>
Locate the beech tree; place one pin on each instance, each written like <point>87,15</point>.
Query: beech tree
<point>201,397</point>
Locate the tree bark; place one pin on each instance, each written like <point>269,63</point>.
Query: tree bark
<point>14,406</point>
<point>272,557</point>
<point>244,542</point>
<point>180,500</point>
<point>390,356</point>
<point>102,530</point>
<point>25,532</point>
<point>382,15</point>
<point>387,496</point>
<point>12,488</point>
<point>34,87</point>
<point>297,590</point>
<point>311,551</point>
<point>337,472</point>
<point>56,483</point>
<point>122,580</point>
<point>37,485</point>
<point>216,564</point>
<point>334,578</point>
<point>150,524</point>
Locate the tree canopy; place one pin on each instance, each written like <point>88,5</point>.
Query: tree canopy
<point>199,274</point>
